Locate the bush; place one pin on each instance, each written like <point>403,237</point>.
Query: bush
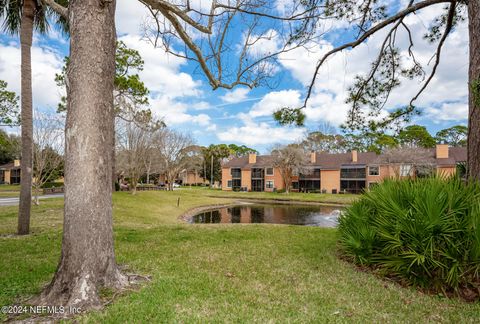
<point>52,185</point>
<point>426,231</point>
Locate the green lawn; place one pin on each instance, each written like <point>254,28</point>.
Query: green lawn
<point>306,197</point>
<point>7,191</point>
<point>218,273</point>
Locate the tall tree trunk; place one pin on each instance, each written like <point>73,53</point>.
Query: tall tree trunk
<point>474,91</point>
<point>114,171</point>
<point>88,259</point>
<point>26,163</point>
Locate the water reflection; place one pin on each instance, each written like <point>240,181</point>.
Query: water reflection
<point>325,216</point>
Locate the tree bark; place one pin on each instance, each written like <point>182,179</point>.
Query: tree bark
<point>26,163</point>
<point>474,91</point>
<point>88,259</point>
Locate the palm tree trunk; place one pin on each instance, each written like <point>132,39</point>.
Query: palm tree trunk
<point>26,163</point>
<point>474,94</point>
<point>88,259</point>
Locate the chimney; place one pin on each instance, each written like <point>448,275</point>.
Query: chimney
<point>441,151</point>
<point>354,156</point>
<point>252,158</point>
<point>313,157</point>
<point>16,163</point>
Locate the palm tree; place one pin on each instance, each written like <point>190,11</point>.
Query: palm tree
<point>23,17</point>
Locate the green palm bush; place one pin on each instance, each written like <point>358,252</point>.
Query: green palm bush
<point>426,231</point>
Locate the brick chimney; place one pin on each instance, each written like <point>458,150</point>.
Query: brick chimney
<point>313,157</point>
<point>354,156</point>
<point>441,151</point>
<point>252,158</point>
<point>16,163</point>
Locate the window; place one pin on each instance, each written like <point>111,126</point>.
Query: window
<point>405,170</point>
<point>236,173</point>
<point>236,184</point>
<point>15,176</point>
<point>311,174</point>
<point>353,173</point>
<point>373,170</point>
<point>269,171</point>
<point>309,185</point>
<point>257,184</point>
<point>269,184</point>
<point>352,186</point>
<point>257,173</point>
<point>229,183</point>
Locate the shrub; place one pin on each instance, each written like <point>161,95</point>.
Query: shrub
<point>426,231</point>
<point>52,184</point>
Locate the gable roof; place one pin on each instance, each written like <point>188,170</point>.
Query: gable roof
<point>9,166</point>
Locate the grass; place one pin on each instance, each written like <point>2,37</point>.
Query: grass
<point>218,273</point>
<point>304,197</point>
<point>7,191</point>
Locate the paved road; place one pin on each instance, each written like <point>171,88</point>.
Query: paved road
<point>14,200</point>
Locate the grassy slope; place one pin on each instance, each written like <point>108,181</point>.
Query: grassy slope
<point>218,273</point>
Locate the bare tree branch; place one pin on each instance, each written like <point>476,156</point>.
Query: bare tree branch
<point>448,28</point>
<point>400,15</point>
<point>59,9</point>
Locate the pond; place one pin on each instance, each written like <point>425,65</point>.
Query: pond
<point>313,215</point>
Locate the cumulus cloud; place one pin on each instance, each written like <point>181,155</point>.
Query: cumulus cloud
<point>259,133</point>
<point>274,100</point>
<point>448,111</point>
<point>45,63</point>
<point>236,95</point>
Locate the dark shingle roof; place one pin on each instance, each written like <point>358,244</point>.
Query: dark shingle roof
<point>9,166</point>
<point>459,154</point>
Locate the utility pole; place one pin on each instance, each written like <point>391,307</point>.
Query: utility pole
<point>211,173</point>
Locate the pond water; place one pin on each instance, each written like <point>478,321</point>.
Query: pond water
<point>313,215</point>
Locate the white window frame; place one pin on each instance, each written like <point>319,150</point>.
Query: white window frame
<point>273,172</point>
<point>229,183</point>
<point>375,166</point>
<point>403,169</point>
<point>273,184</point>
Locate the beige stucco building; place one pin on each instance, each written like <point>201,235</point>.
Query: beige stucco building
<point>332,173</point>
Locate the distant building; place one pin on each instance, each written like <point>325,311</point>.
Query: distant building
<point>344,172</point>
<point>10,173</point>
<point>190,177</point>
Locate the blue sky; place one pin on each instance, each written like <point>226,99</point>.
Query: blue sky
<point>182,96</point>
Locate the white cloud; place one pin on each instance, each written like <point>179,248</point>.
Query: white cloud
<point>201,105</point>
<point>45,63</point>
<point>448,111</point>
<point>129,17</point>
<point>161,72</point>
<point>253,133</point>
<point>275,100</point>
<point>236,95</point>
<point>176,113</point>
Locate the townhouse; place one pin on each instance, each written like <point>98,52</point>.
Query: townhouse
<point>10,173</point>
<point>333,173</point>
